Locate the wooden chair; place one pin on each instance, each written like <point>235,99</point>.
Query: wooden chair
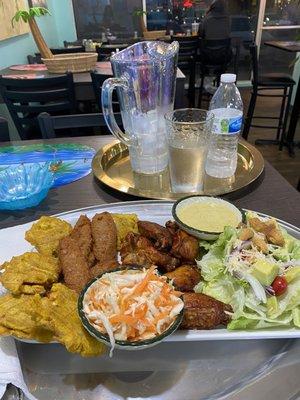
<point>188,47</point>
<point>27,98</point>
<point>50,124</point>
<point>4,132</point>
<point>261,84</point>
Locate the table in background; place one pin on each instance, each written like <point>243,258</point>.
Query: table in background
<point>292,47</point>
<point>83,82</point>
<point>278,375</point>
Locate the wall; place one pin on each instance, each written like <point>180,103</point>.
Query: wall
<point>56,28</point>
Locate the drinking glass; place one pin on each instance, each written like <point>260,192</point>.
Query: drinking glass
<point>187,134</point>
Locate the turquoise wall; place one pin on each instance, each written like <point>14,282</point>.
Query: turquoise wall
<point>56,28</point>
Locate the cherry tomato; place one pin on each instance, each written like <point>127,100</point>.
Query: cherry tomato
<point>279,285</point>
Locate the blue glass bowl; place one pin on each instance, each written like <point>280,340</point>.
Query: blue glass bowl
<point>25,185</point>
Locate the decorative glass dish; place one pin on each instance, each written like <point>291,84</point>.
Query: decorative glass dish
<point>25,185</point>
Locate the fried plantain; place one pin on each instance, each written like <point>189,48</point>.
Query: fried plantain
<point>30,273</point>
<point>125,223</point>
<point>46,233</point>
<point>18,317</point>
<point>60,315</point>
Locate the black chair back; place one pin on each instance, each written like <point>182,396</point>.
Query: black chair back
<point>236,43</point>
<point>76,43</point>
<point>50,124</point>
<point>27,98</point>
<point>254,61</point>
<point>34,59</point>
<point>4,132</point>
<point>69,50</point>
<point>215,53</point>
<point>97,81</point>
<point>105,51</point>
<point>188,46</point>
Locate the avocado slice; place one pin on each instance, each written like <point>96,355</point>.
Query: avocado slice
<point>264,271</point>
<point>292,274</point>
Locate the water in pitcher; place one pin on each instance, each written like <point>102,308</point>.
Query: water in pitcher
<point>187,167</point>
<point>148,152</point>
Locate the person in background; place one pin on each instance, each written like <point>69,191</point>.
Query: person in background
<point>216,23</point>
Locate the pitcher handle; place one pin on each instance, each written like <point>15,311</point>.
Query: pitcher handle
<point>107,90</point>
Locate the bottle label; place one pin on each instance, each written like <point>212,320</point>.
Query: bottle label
<point>226,124</point>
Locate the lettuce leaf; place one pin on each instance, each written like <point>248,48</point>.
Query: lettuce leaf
<point>249,311</point>
<point>290,250</point>
<point>212,264</point>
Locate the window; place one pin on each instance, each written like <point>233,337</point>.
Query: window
<point>95,16</point>
<point>282,13</point>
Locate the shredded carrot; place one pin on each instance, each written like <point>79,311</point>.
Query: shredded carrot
<point>144,308</point>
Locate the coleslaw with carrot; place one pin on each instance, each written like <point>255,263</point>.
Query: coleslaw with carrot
<point>132,305</point>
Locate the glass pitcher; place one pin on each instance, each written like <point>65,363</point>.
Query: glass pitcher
<point>145,77</point>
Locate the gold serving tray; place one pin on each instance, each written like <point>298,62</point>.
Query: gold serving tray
<point>111,166</point>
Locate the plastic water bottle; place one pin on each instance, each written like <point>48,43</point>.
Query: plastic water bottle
<point>227,107</point>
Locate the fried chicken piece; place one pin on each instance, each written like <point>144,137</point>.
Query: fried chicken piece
<point>172,227</point>
<point>125,223</point>
<point>29,273</point>
<point>101,268</point>
<point>158,234</point>
<point>269,229</point>
<point>185,277</point>
<point>82,234</point>
<point>46,233</point>
<point>185,246</point>
<point>104,234</point>
<point>18,317</point>
<point>261,244</point>
<point>246,234</point>
<point>138,250</point>
<point>61,316</point>
<point>203,312</point>
<point>74,265</point>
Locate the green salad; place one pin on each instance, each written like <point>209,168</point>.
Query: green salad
<point>255,269</point>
